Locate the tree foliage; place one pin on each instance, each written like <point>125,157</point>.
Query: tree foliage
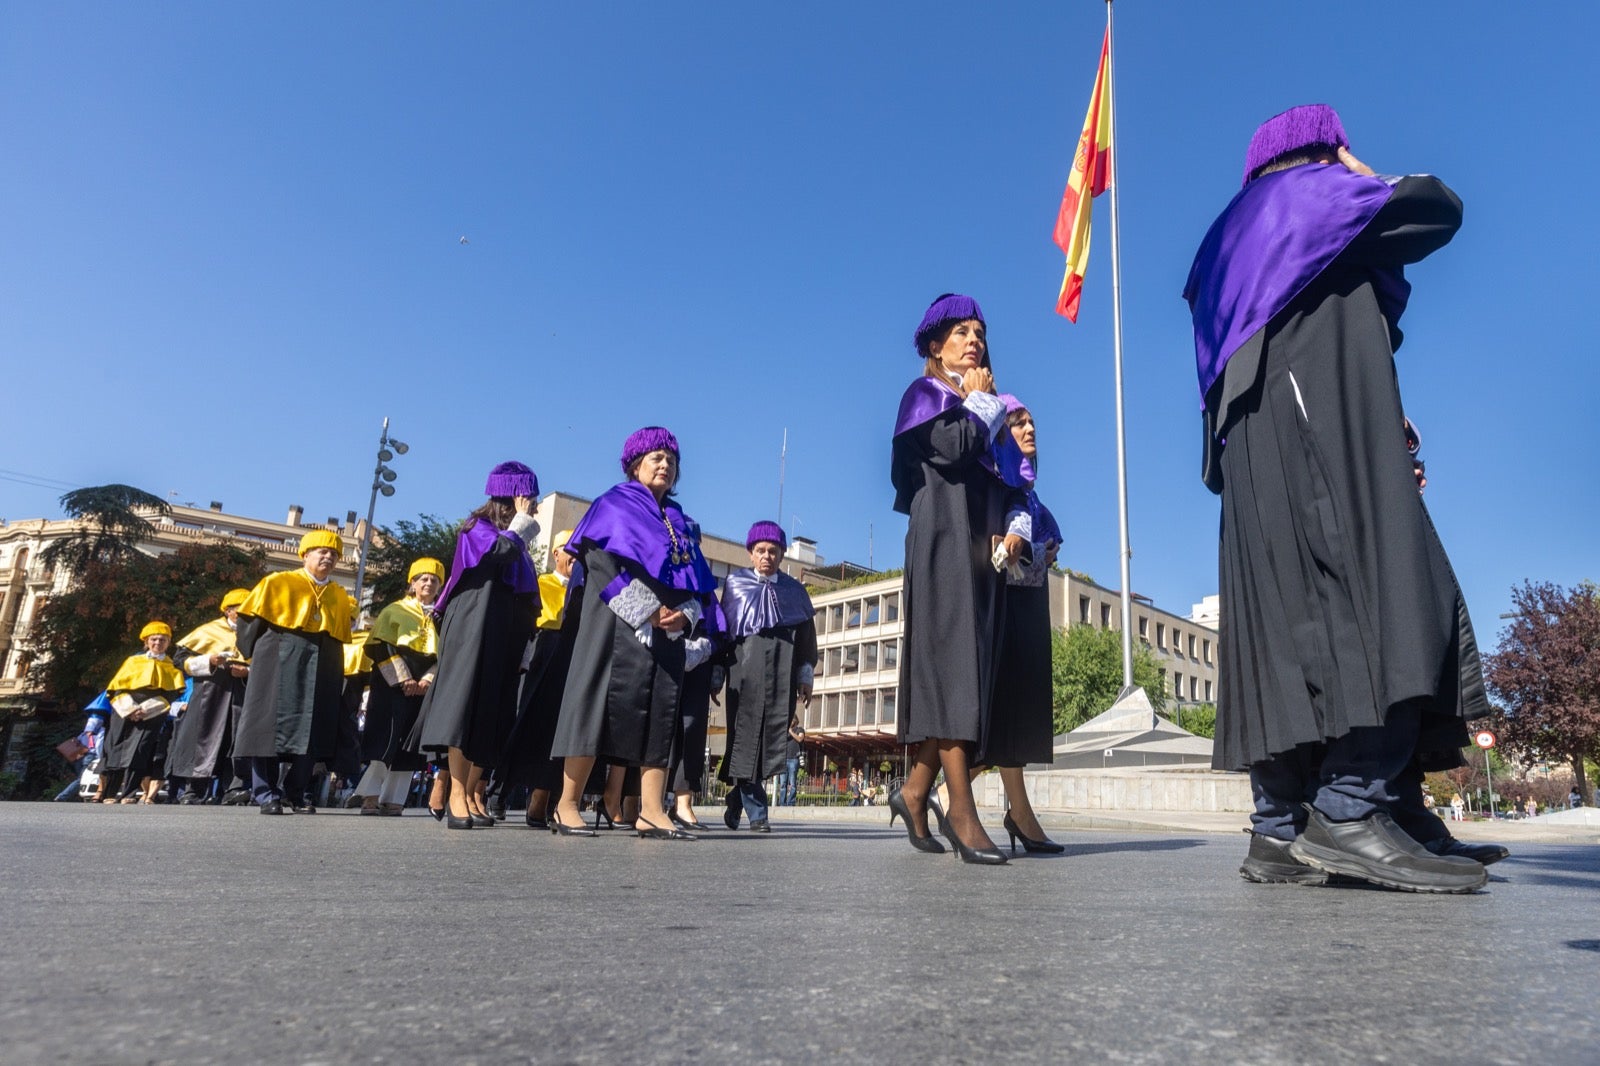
<point>1546,675</point>
<point>396,547</point>
<point>1086,674</point>
<point>116,528</point>
<point>80,636</point>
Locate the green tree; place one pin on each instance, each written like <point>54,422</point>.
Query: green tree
<point>1199,719</point>
<point>80,636</point>
<point>116,528</point>
<point>396,547</point>
<point>1086,674</point>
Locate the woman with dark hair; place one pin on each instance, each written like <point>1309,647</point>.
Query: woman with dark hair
<point>486,613</point>
<point>1021,729</point>
<point>965,526</point>
<point>647,616</point>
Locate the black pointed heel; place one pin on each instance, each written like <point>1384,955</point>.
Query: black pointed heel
<point>990,856</point>
<point>601,812</point>
<point>683,823</point>
<point>1044,846</point>
<point>452,822</point>
<point>647,830</point>
<point>557,827</point>
<point>898,809</point>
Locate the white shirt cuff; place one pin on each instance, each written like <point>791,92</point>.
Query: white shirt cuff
<point>1020,523</point>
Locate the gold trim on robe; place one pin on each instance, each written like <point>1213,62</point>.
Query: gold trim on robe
<point>291,600</point>
<point>356,660</point>
<point>213,638</point>
<point>552,601</point>
<point>141,671</point>
<point>407,624</point>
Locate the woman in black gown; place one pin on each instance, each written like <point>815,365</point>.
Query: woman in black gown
<point>964,523</point>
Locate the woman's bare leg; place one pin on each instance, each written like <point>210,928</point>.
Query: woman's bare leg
<point>918,783</point>
<point>574,775</point>
<point>962,810</point>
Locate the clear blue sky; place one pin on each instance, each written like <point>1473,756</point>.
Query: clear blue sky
<point>232,247</point>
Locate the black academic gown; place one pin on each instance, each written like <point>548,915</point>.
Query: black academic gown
<point>954,599</point>
<point>472,702</point>
<point>292,703</point>
<point>203,738</point>
<point>1337,600</point>
<point>1022,725</point>
<point>136,746</point>
<point>763,674</point>
<point>391,714</point>
<point>622,697</point>
<point>544,677</point>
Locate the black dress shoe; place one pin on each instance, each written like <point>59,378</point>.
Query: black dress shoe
<point>1375,849</point>
<point>236,798</point>
<point>760,827</point>
<point>1269,863</point>
<point>452,822</point>
<point>274,807</point>
<point>497,808</point>
<point>730,818</point>
<point>189,799</point>
<point>304,807</point>
<point>1487,854</point>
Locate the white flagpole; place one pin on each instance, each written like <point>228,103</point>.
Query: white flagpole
<point>1116,333</point>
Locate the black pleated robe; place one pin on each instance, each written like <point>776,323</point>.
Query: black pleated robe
<point>763,675</point>
<point>954,599</point>
<point>391,714</point>
<point>203,737</point>
<point>292,703</point>
<point>1337,599</point>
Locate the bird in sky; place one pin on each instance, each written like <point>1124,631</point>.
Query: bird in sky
<point>464,240</point>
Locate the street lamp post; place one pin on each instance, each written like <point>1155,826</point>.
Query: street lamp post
<point>382,475</point>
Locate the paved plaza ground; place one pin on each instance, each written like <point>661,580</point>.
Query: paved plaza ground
<point>203,934</point>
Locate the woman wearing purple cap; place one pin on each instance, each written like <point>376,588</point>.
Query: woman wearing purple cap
<point>486,613</point>
<point>964,523</point>
<point>1022,728</point>
<point>647,613</point>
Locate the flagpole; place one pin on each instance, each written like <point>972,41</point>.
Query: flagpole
<point>1116,335</point>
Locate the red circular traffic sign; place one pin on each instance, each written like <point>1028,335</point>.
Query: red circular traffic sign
<point>1484,739</point>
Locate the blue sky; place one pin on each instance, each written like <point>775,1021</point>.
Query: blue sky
<point>233,246</point>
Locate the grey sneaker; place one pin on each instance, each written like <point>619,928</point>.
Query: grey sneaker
<point>1269,863</point>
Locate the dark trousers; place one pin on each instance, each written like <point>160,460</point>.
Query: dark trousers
<point>749,797</point>
<point>1367,770</point>
<point>287,778</point>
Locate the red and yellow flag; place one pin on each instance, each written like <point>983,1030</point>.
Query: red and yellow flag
<point>1087,180</point>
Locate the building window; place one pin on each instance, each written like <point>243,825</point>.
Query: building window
<point>869,656</point>
<point>836,618</point>
<point>886,700</point>
<point>891,654</point>
<point>1191,646</point>
<point>821,619</point>
<point>847,710</point>
<point>855,615</point>
<point>1208,691</point>
<point>872,611</point>
<point>1194,689</point>
<point>1161,634</point>
<point>891,607</point>
<point>852,659</point>
<point>1105,616</point>
<point>814,715</point>
<point>1144,629</point>
<point>1083,609</point>
<point>830,711</point>
<point>1177,686</point>
<point>869,707</point>
<point>1205,647</point>
<point>835,660</point>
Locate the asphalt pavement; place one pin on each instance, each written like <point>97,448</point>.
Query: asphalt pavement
<point>204,934</point>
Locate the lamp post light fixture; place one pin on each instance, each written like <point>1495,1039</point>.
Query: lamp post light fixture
<point>382,476</point>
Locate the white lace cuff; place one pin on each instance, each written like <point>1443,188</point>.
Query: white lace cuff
<point>634,604</point>
<point>1020,523</point>
<point>645,633</point>
<point>692,611</point>
<point>696,651</point>
<point>197,666</point>
<point>988,407</point>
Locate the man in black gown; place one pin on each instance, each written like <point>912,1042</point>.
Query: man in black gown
<point>1348,660</point>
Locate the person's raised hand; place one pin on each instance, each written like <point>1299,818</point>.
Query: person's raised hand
<point>1353,163</point>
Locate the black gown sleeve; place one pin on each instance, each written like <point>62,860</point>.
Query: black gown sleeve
<point>1421,216</point>
<point>251,629</point>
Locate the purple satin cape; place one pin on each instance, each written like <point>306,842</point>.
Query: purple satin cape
<point>751,605</point>
<point>627,522</point>
<point>1045,528</point>
<point>472,545</point>
<point>1269,243</point>
<point>927,398</point>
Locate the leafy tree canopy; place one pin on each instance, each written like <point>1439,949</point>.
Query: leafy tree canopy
<point>80,636</point>
<point>1546,676</point>
<point>1086,674</point>
<point>397,547</point>
<point>116,526</point>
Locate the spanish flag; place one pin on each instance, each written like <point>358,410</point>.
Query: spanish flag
<point>1088,179</point>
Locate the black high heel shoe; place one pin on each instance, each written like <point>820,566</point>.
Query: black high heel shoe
<point>978,856</point>
<point>537,823</point>
<point>898,809</point>
<point>681,822</point>
<point>649,831</point>
<point>452,822</point>
<point>480,821</point>
<point>558,827</point>
<point>600,812</point>
<point>1044,846</point>
<point>437,812</point>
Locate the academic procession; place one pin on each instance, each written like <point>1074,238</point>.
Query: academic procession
<point>576,701</point>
